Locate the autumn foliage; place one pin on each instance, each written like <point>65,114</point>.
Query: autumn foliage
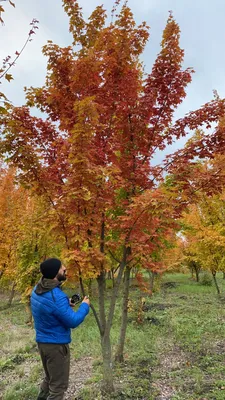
<point>203,231</point>
<point>26,236</point>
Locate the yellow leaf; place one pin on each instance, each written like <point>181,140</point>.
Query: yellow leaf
<point>8,77</point>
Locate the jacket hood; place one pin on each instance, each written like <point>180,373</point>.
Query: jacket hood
<point>46,285</point>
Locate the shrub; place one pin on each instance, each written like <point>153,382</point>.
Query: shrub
<point>206,279</point>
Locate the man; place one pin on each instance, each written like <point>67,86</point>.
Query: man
<point>53,320</point>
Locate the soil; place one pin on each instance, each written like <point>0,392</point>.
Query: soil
<point>80,372</point>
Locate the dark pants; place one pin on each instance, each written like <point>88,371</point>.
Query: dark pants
<point>56,362</point>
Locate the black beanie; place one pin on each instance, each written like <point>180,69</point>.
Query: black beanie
<point>50,267</point>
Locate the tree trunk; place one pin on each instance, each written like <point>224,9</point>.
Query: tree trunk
<point>113,277</point>
<point>12,293</point>
<point>29,320</point>
<point>152,276</point>
<point>2,270</point>
<point>90,288</point>
<point>106,324</point>
<point>197,274</point>
<point>215,281</point>
<point>196,269</point>
<point>107,384</point>
<point>101,300</point>
<point>120,347</point>
<point>114,271</point>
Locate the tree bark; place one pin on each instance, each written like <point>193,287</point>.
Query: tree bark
<point>29,320</point>
<point>152,276</point>
<point>197,274</point>
<point>3,270</point>
<point>195,267</point>
<point>101,301</point>
<point>113,277</point>
<point>12,293</point>
<point>116,289</point>
<point>121,342</point>
<point>215,281</point>
<point>106,324</point>
<point>107,384</point>
<point>90,288</point>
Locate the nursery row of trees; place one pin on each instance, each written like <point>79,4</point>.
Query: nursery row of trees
<point>200,245</point>
<point>81,180</point>
<point>29,234</point>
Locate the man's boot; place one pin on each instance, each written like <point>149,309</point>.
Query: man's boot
<point>42,395</point>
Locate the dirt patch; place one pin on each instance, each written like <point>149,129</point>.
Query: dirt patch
<point>80,372</point>
<point>170,361</point>
<point>9,375</point>
<point>219,347</point>
<point>166,392</point>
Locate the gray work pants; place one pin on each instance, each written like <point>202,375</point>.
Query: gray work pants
<point>56,362</point>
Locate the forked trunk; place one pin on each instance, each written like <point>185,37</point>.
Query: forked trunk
<point>105,325</point>
<point>121,342</point>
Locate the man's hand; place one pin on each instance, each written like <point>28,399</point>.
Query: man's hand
<point>86,300</point>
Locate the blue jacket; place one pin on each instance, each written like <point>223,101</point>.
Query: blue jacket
<point>52,313</point>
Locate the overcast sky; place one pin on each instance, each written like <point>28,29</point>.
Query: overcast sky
<point>202,37</point>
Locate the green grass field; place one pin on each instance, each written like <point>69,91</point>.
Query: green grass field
<point>177,352</point>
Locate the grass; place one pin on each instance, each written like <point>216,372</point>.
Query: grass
<point>22,391</point>
<point>177,351</point>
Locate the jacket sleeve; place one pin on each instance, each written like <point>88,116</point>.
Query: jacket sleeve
<point>65,314</point>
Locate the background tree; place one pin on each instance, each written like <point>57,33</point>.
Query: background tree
<point>205,234</point>
<point>12,200</point>
<point>26,236</point>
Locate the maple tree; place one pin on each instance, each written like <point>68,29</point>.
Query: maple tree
<point>37,241</point>
<point>173,255</point>
<point>203,184</point>
<point>26,236</point>
<point>203,229</point>
<point>11,205</point>
<point>91,158</point>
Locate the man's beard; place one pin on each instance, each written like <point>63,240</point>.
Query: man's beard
<point>61,277</point>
